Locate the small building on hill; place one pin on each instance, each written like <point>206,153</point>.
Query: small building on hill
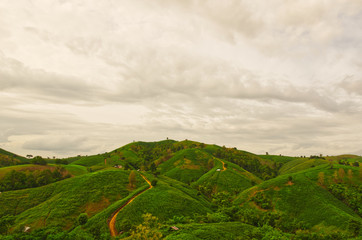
<point>174,228</point>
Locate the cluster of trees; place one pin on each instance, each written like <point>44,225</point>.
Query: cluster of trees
<point>61,161</point>
<point>248,162</point>
<point>349,194</point>
<point>7,161</point>
<point>347,163</point>
<point>262,201</point>
<point>38,161</point>
<point>15,180</point>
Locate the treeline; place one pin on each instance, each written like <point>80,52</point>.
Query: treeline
<point>15,180</point>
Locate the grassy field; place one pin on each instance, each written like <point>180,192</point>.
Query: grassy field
<point>74,170</point>
<point>303,198</point>
<point>234,179</point>
<point>168,199</point>
<point>300,164</point>
<point>211,231</point>
<point>278,158</point>
<point>60,203</point>
<point>186,165</point>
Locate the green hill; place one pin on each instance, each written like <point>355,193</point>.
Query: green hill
<point>199,191</point>
<point>60,203</point>
<point>9,159</point>
<point>169,199</point>
<point>233,179</point>
<point>300,164</point>
<point>302,197</point>
<point>186,165</point>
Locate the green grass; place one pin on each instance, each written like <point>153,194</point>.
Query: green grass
<point>169,198</point>
<point>20,158</point>
<point>278,159</point>
<point>75,170</point>
<point>304,200</point>
<point>59,204</point>
<point>211,231</point>
<point>234,179</point>
<point>89,161</point>
<point>186,165</point>
<point>300,164</point>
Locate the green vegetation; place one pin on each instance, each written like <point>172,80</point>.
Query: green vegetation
<point>190,190</point>
<point>15,180</point>
<point>10,159</point>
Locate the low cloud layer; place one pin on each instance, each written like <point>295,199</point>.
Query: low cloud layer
<point>82,77</point>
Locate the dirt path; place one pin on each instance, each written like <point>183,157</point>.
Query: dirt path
<point>112,222</point>
<point>223,166</point>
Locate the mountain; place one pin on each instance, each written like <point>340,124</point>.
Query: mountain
<point>182,190</point>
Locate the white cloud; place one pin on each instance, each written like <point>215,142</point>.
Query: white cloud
<point>278,75</point>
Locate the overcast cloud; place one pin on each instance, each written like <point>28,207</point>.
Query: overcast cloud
<point>85,77</point>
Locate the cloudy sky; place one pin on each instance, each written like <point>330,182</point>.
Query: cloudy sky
<point>84,77</point>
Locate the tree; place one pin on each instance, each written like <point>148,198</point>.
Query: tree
<point>153,167</point>
<point>210,164</point>
<point>149,229</point>
<point>350,175</point>
<point>354,226</point>
<point>132,179</point>
<point>82,219</point>
<point>341,174</point>
<point>154,182</point>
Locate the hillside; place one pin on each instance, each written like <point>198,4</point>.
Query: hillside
<point>204,191</point>
<point>302,197</point>
<point>9,159</point>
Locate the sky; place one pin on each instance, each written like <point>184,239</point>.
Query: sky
<point>86,77</point>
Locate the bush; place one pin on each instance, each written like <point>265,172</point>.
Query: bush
<point>82,219</point>
<point>154,182</point>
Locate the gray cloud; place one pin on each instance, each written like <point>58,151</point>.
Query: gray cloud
<point>102,74</point>
<point>59,145</point>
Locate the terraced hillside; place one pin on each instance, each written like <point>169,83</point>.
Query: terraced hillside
<point>198,191</point>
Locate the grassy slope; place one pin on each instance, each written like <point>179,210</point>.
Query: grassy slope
<point>234,179</point>
<point>211,231</point>
<point>300,164</point>
<point>9,156</point>
<point>278,159</point>
<point>186,165</point>
<point>304,199</point>
<point>169,198</point>
<point>74,170</point>
<point>61,202</point>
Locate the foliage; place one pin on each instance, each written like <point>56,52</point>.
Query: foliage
<point>15,180</point>
<point>262,201</point>
<point>38,160</point>
<point>82,219</point>
<point>132,179</point>
<point>349,194</point>
<point>149,229</point>
<point>5,223</point>
<point>154,182</point>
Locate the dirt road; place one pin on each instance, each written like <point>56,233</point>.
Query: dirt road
<point>112,222</point>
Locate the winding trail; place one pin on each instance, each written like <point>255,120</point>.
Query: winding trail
<point>112,222</point>
<point>223,166</point>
